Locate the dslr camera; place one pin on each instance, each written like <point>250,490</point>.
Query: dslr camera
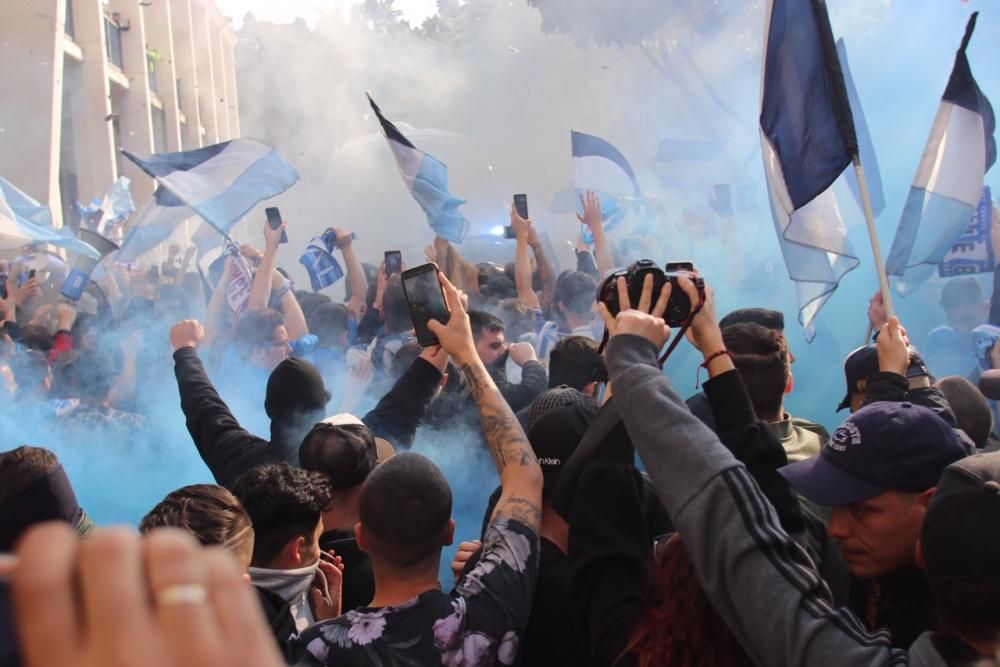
<point>679,305</point>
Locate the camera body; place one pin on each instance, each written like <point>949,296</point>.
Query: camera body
<point>679,305</point>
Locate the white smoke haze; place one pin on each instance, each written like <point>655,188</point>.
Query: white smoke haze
<point>492,88</point>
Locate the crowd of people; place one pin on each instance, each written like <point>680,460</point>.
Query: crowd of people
<point>628,526</point>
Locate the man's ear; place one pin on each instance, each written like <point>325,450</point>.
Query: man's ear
<point>359,536</point>
<point>790,384</point>
<point>294,549</point>
<point>925,498</point>
<point>450,537</point>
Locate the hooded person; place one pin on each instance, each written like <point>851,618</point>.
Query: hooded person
<point>296,399</point>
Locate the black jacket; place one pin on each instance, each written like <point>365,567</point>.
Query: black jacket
<point>534,380</point>
<point>229,450</point>
<point>359,582</point>
<point>279,618</point>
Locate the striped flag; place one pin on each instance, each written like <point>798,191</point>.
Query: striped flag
<point>426,178</point>
<point>600,167</point>
<point>153,224</point>
<point>807,140</point>
<point>949,179</point>
<point>25,222</point>
<point>222,182</point>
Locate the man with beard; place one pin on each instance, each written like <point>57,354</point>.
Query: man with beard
<point>488,333</point>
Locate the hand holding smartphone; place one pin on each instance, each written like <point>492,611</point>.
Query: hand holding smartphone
<point>426,301</point>
<point>393,263</point>
<point>521,208</point>
<point>274,220</point>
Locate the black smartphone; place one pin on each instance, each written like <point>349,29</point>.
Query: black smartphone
<point>521,205</point>
<point>393,263</point>
<point>31,274</point>
<point>274,219</point>
<point>426,301</point>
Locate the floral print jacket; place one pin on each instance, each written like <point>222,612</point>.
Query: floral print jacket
<point>479,623</point>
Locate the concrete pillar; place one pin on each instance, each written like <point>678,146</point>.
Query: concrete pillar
<point>133,105</point>
<point>207,99</point>
<point>221,83</point>
<point>232,95</point>
<point>90,104</point>
<point>159,37</point>
<point>31,73</point>
<point>186,69</point>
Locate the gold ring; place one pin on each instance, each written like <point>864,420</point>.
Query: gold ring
<point>182,594</point>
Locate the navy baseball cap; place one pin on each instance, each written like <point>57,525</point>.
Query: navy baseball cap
<point>863,362</point>
<point>882,447</point>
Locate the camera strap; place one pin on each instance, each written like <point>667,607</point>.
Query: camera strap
<point>681,332</point>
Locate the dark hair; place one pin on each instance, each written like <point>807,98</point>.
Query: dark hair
<point>345,453</point>
<point>964,291</point>
<point>35,337</point>
<point>679,626</point>
<point>84,325</point>
<point>309,302</point>
<point>94,373</point>
<point>256,329</point>
<point>22,466</point>
<point>480,321</point>
<point>395,310</point>
<point>761,357</point>
<point>575,291</point>
<point>574,362</point>
<point>404,508</point>
<point>518,318</point>
<point>972,411</point>
<point>283,503</point>
<point>209,512</point>
<point>765,317</point>
<point>329,321</point>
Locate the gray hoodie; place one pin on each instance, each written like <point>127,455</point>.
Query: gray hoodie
<point>759,580</point>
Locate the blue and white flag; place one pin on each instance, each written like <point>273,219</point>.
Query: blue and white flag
<point>600,167</point>
<point>104,213</point>
<point>222,182</point>
<point>873,175</point>
<point>973,251</point>
<point>427,180</point>
<point>323,268</point>
<point>25,222</point>
<point>807,140</point>
<point>949,179</point>
<point>153,224</point>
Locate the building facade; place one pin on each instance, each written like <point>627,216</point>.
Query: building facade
<point>82,79</point>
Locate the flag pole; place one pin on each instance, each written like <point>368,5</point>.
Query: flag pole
<point>883,281</point>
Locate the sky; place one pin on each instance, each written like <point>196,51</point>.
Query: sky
<point>286,11</point>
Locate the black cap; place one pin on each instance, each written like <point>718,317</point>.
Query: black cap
<point>959,535</point>
<point>882,447</point>
<point>342,448</point>
<point>559,397</point>
<point>294,388</point>
<point>863,363</point>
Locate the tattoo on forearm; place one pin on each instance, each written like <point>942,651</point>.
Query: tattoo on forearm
<point>520,509</point>
<point>503,432</point>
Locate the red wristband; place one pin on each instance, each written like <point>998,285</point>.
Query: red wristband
<point>704,364</point>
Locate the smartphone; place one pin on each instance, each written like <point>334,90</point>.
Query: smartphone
<point>521,205</point>
<point>274,219</point>
<point>31,274</point>
<point>3,285</point>
<point>393,263</point>
<point>426,301</point>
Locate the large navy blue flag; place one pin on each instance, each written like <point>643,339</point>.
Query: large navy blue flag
<point>426,178</point>
<point>807,140</point>
<point>222,182</point>
<point>949,179</point>
<point>873,176</point>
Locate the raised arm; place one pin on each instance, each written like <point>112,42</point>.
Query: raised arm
<point>355,273</point>
<point>522,261</point>
<point>260,291</point>
<point>593,217</point>
<point>520,475</point>
<point>545,274</point>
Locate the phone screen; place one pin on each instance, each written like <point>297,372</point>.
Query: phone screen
<point>393,262</point>
<point>426,301</point>
<point>274,220</point>
<point>521,205</point>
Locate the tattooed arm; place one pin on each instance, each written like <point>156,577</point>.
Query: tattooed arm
<point>520,475</point>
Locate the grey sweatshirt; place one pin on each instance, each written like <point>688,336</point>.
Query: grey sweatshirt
<point>759,580</point>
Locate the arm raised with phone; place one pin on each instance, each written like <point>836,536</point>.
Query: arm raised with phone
<point>520,475</point>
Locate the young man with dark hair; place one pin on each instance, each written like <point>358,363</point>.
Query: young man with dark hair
<point>948,348</point>
<point>572,312</point>
<point>209,512</point>
<point>92,377</point>
<point>761,356</point>
<point>405,510</point>
<point>261,338</point>
<point>398,326</point>
<point>575,362</point>
<point>285,506</point>
<point>493,350</point>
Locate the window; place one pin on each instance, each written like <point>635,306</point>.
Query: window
<point>113,42</point>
